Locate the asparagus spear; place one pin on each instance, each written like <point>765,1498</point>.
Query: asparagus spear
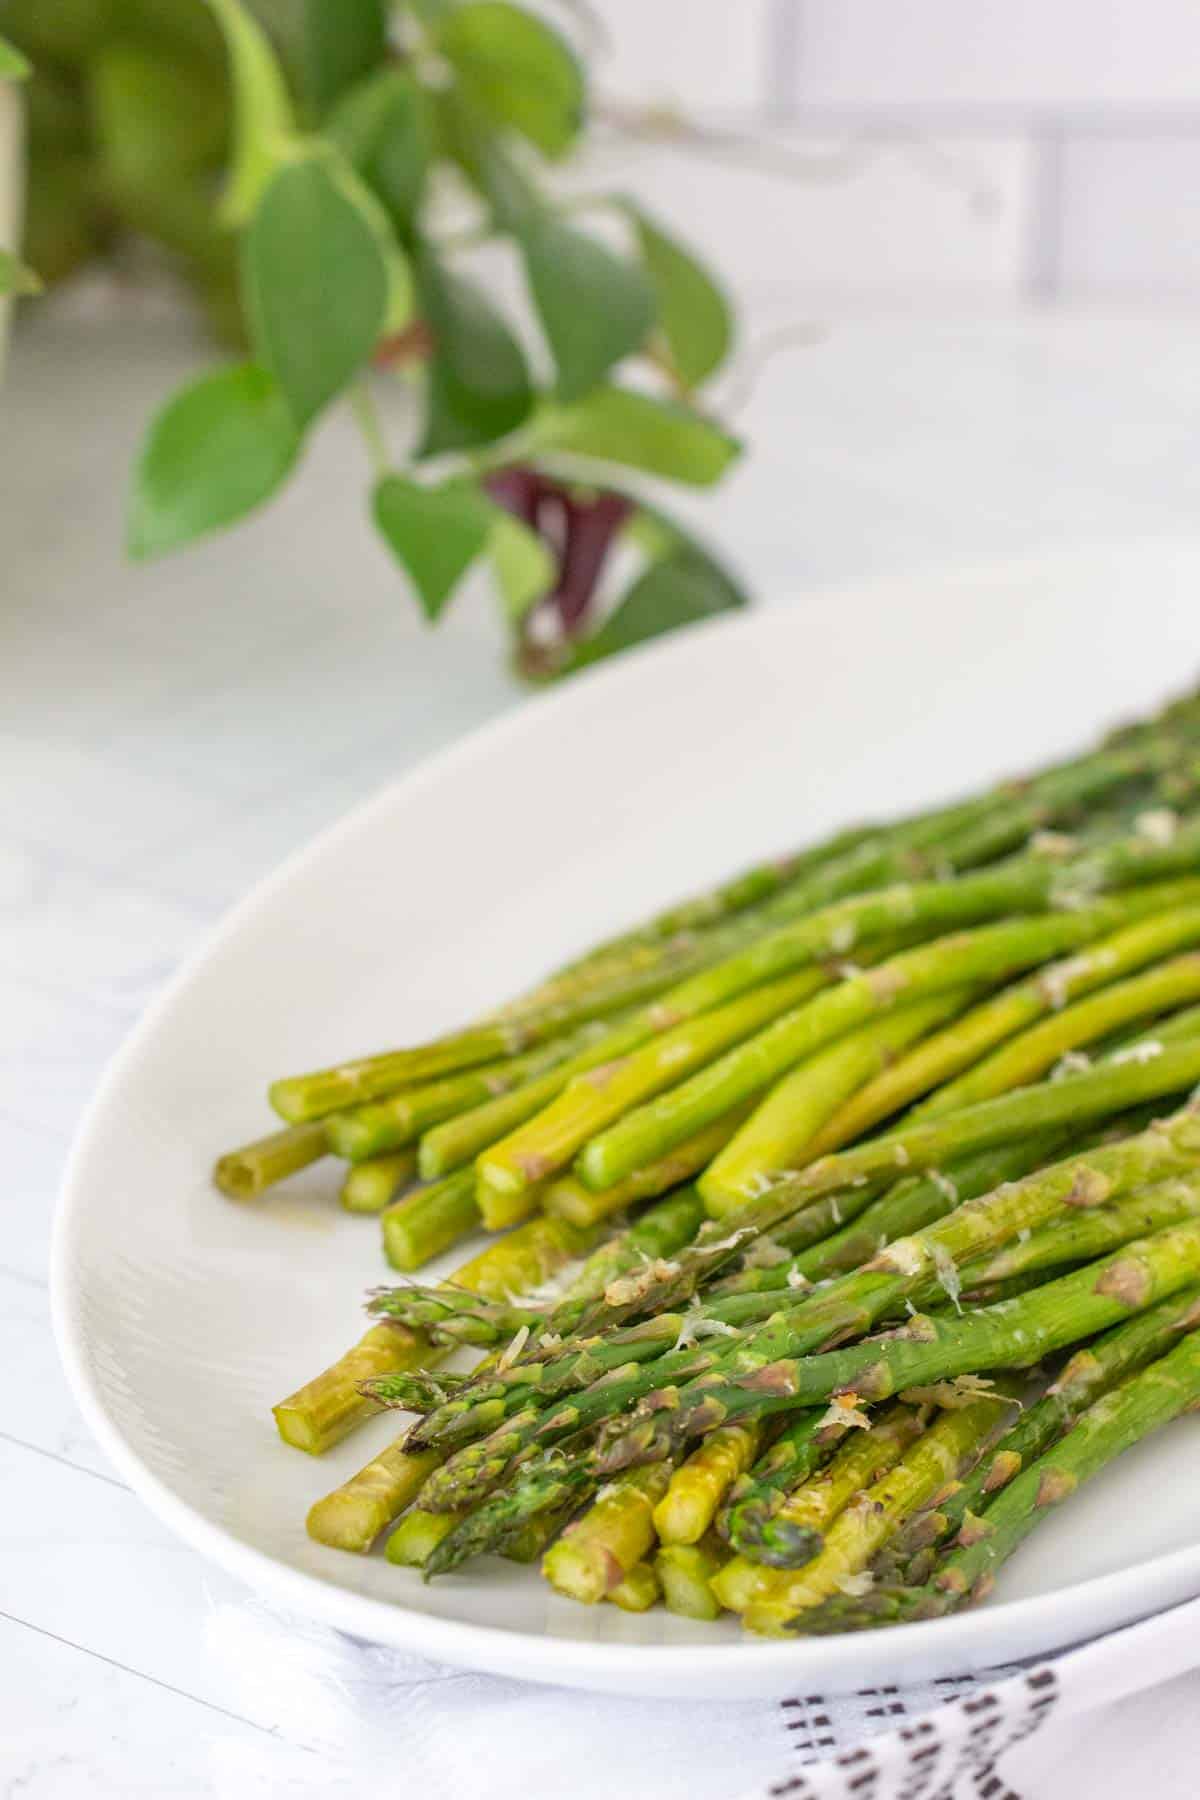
<point>685,1573</point>
<point>417,1536</point>
<point>1031,1055</point>
<point>590,1101</point>
<point>1118,1420</point>
<point>781,1131</point>
<point>638,1591</point>
<point>999,1020</point>
<point>1090,1373</point>
<point>700,1483</point>
<point>867,1522</point>
<point>353,1515</point>
<point>569,1199</point>
<point>423,1224</point>
<point>370,1186</point>
<point>989,952</point>
<point>244,1174</point>
<point>389,1124</point>
<point>801,1449</point>
<point>596,1552</point>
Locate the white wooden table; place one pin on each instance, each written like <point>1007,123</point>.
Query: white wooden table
<point>166,735</point>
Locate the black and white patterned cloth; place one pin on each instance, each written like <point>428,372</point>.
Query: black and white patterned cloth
<point>1115,1718</point>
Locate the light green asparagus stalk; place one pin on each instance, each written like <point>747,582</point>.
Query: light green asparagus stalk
<point>370,1186</point>
<point>1090,1373</point>
<point>1080,1236</point>
<point>244,1174</point>
<point>326,1409</point>
<point>990,952</point>
<point>590,1101</point>
<point>417,1536</point>
<point>1029,1057</point>
<point>1121,1418</point>
<point>639,1591</point>
<point>425,1223</point>
<point>946,1054</point>
<point>700,1483</point>
<point>389,1124</point>
<point>596,1551</point>
<point>779,1135</point>
<point>686,1572</point>
<point>569,1199</point>
<point>867,1522</point>
<point>353,1515</point>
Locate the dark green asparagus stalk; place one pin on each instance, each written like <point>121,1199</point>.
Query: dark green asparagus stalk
<point>805,1444</point>
<point>1090,1373</point>
<point>1013,1335</point>
<point>554,1481</point>
<point>1121,1418</point>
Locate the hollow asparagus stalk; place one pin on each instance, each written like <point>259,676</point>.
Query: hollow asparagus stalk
<point>244,1174</point>
<point>1119,1419</point>
<point>779,1135</point>
<point>370,1186</point>
<point>1090,1373</point>
<point>596,1552</point>
<point>947,1053</point>
<point>867,1522</point>
<point>989,952</point>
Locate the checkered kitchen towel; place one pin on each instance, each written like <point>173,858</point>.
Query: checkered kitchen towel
<point>1117,1717</point>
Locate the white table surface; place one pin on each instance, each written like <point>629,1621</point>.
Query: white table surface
<point>166,735</point>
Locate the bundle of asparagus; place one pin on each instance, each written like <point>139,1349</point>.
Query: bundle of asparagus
<point>856,1267</point>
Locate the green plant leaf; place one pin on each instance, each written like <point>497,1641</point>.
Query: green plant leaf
<point>693,314</point>
<point>517,70</point>
<point>617,425</point>
<point>264,127</point>
<point>385,131</point>
<point>681,588</point>
<point>595,306</point>
<point>316,284</point>
<point>340,42</point>
<point>218,448</point>
<point>13,66</point>
<point>479,385</point>
<point>15,277</point>
<point>523,566</point>
<point>435,533</point>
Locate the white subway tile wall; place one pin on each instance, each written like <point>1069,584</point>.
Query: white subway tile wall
<point>978,152</point>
